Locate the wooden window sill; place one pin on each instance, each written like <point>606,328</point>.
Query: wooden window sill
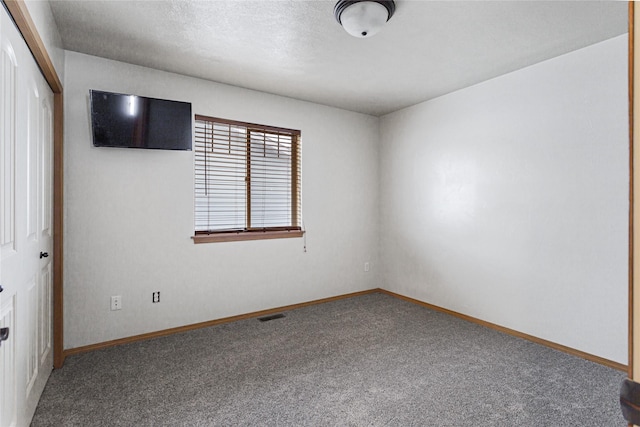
<point>253,235</point>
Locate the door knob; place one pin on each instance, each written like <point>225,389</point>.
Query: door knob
<point>1,289</point>
<point>44,254</point>
<point>629,399</point>
<point>4,334</point>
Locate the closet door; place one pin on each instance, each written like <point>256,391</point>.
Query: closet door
<point>8,224</point>
<point>26,143</point>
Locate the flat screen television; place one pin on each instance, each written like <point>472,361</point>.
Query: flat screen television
<point>131,121</point>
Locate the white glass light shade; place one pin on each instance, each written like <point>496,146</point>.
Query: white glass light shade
<point>364,19</point>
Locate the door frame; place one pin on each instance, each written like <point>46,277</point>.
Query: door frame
<point>632,260</point>
<point>20,14</point>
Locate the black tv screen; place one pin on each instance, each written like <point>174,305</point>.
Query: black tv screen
<point>132,121</point>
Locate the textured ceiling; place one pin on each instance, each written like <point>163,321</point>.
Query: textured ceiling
<point>297,49</point>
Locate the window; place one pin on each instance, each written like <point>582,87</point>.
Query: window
<point>247,181</point>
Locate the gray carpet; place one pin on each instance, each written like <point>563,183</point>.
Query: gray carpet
<point>371,360</point>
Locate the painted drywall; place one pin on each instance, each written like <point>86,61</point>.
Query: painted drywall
<point>44,21</point>
<point>129,213</point>
<point>507,201</point>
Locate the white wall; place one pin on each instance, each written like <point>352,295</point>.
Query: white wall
<point>42,17</point>
<point>129,213</point>
<point>507,201</point>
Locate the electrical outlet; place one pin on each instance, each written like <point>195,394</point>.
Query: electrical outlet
<point>155,297</point>
<point>116,302</point>
<point>366,266</point>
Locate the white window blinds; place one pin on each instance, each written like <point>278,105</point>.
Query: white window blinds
<point>247,177</point>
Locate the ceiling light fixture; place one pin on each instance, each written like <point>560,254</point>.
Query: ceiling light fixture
<point>363,18</point>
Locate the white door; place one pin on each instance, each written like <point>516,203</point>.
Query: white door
<point>26,158</point>
<point>8,76</point>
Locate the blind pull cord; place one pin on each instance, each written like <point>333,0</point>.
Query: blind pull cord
<point>304,234</point>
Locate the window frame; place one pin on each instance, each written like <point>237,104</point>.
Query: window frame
<point>255,233</point>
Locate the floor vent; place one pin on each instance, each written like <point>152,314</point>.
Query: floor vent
<point>273,316</point>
